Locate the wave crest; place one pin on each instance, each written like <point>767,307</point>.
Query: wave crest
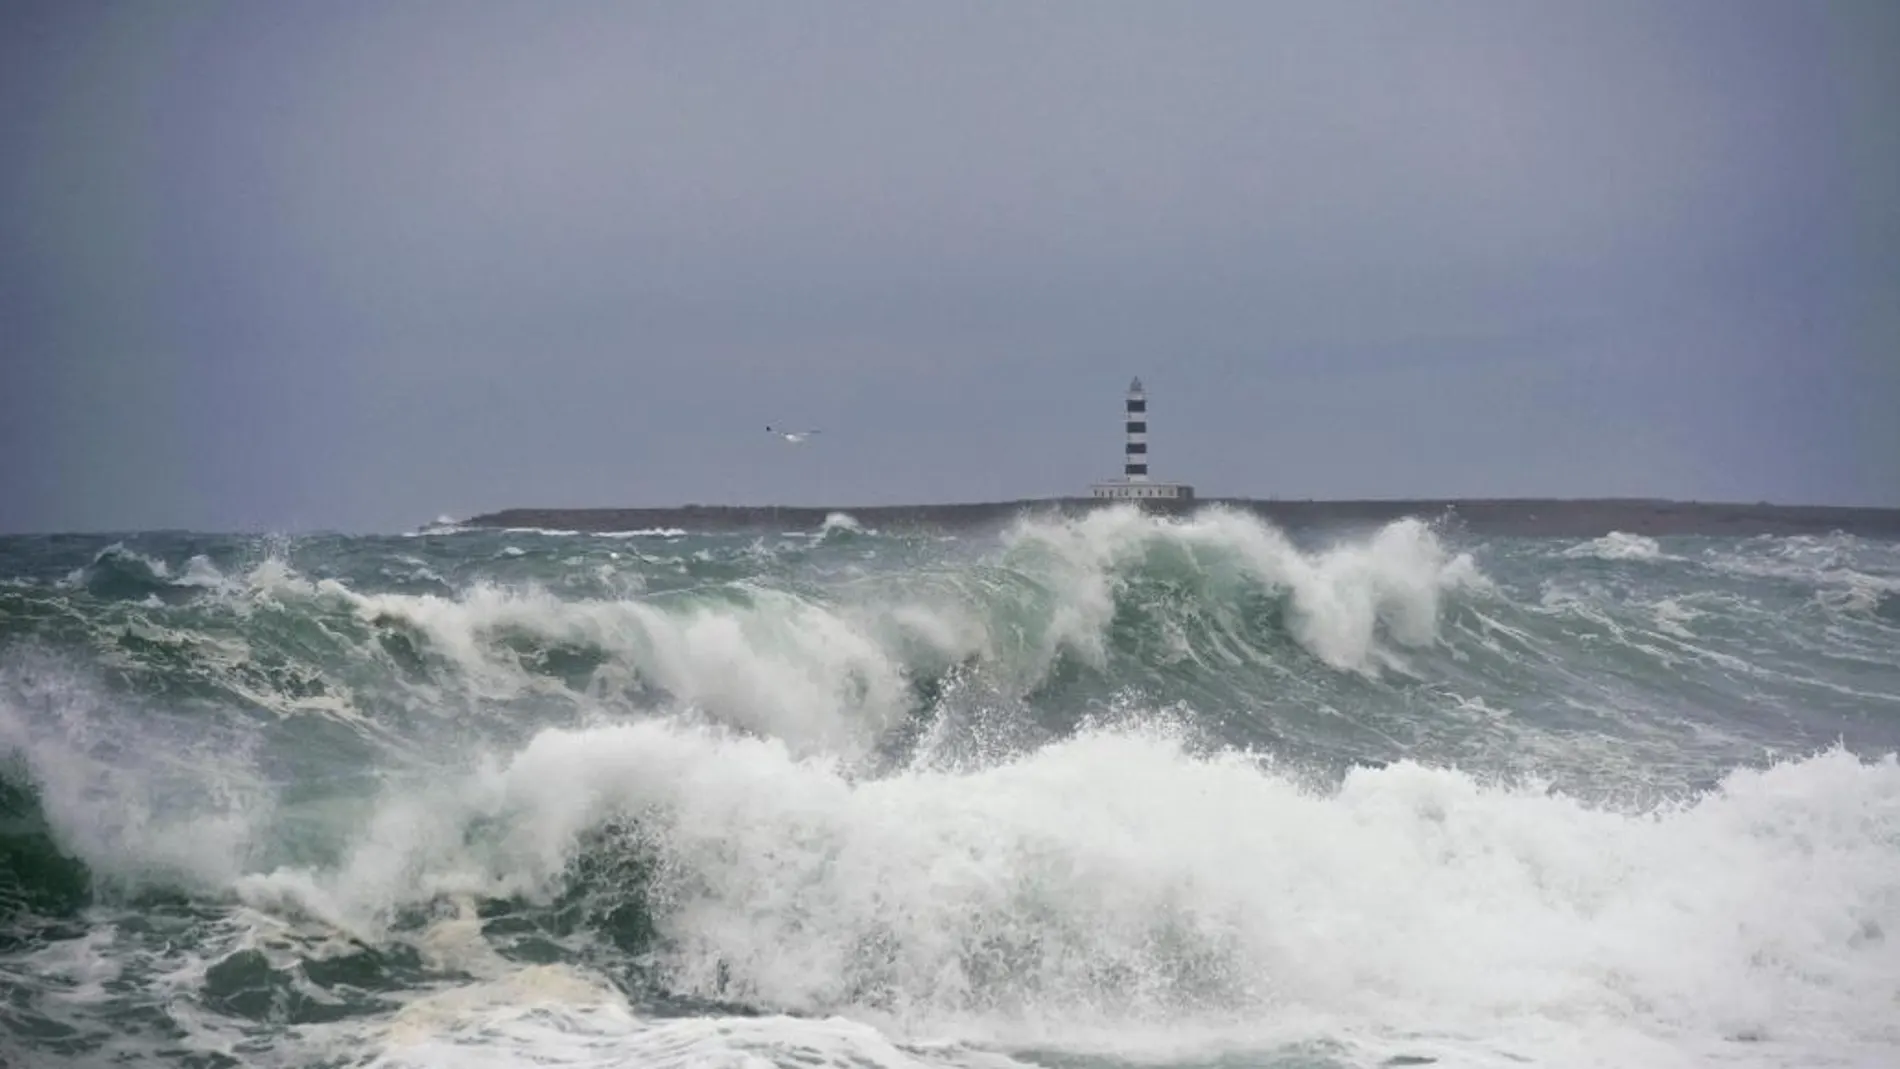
<point>1118,875</point>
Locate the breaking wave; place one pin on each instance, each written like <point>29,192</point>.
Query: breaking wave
<point>1114,786</point>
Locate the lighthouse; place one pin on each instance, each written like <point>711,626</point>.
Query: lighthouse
<point>1135,483</point>
<point>1135,425</point>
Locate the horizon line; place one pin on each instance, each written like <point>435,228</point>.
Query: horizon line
<point>1002,503</point>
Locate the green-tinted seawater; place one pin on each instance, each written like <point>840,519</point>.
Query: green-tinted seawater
<point>1111,790</point>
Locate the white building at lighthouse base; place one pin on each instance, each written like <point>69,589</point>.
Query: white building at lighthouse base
<point>1130,490</point>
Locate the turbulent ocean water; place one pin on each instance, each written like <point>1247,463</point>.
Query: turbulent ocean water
<point>1101,792</point>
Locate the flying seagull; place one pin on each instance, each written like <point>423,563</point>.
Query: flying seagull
<point>794,437</point>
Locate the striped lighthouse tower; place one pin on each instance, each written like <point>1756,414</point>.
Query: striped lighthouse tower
<point>1134,482</point>
<point>1135,419</point>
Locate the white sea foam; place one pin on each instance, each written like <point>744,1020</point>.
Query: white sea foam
<point>136,793</point>
<point>1115,879</point>
<point>547,532</point>
<point>545,1015</point>
<point>1847,574</point>
<point>197,571</point>
<point>1344,599</point>
<point>1115,892</point>
<point>831,670</point>
<point>1618,545</point>
<point>842,522</point>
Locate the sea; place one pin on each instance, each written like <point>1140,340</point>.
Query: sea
<point>1095,792</point>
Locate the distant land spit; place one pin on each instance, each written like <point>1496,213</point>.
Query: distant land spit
<point>1590,518</point>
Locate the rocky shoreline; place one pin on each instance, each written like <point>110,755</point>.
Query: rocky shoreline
<point>1524,517</point>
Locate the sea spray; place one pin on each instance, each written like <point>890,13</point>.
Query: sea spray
<point>1088,790</point>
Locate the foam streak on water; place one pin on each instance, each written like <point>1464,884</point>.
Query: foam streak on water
<point>1088,792</point>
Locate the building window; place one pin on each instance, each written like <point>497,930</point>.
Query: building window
<point>1137,447</point>
<point>1138,406</point>
<point>1137,426</point>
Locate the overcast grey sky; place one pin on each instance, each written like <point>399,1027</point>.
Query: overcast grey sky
<point>299,265</point>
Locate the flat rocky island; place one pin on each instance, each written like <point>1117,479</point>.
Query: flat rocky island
<point>1525,517</point>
